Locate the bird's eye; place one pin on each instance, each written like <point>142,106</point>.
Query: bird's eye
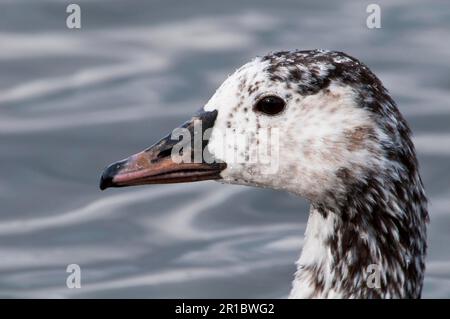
<point>270,105</point>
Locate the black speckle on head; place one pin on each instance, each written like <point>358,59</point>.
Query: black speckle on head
<point>295,74</point>
<point>252,88</point>
<point>242,84</point>
<point>344,174</point>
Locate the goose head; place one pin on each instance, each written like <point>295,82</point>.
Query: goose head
<point>321,125</point>
<point>280,121</point>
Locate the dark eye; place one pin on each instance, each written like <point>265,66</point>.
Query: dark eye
<point>270,105</point>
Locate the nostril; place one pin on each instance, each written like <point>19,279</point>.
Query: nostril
<point>165,153</point>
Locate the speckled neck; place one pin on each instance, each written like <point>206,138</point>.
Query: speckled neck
<point>370,231</point>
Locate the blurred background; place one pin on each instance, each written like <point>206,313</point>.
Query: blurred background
<point>73,101</point>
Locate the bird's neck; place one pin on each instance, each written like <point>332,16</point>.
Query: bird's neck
<point>364,250</point>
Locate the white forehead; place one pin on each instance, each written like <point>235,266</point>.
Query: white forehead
<point>241,83</point>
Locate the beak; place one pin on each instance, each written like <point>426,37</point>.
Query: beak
<point>157,164</point>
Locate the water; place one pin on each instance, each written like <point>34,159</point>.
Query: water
<point>73,101</point>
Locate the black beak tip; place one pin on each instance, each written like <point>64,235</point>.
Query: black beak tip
<point>107,178</point>
<point>105,182</point>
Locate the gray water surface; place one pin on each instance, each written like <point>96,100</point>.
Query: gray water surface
<point>73,101</point>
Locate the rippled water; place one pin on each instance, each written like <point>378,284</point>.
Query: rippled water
<point>73,101</point>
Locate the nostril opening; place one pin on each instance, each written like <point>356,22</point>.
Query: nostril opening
<point>165,153</point>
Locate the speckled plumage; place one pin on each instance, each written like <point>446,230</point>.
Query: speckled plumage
<point>346,148</point>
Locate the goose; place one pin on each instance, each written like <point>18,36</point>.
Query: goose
<point>342,145</point>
